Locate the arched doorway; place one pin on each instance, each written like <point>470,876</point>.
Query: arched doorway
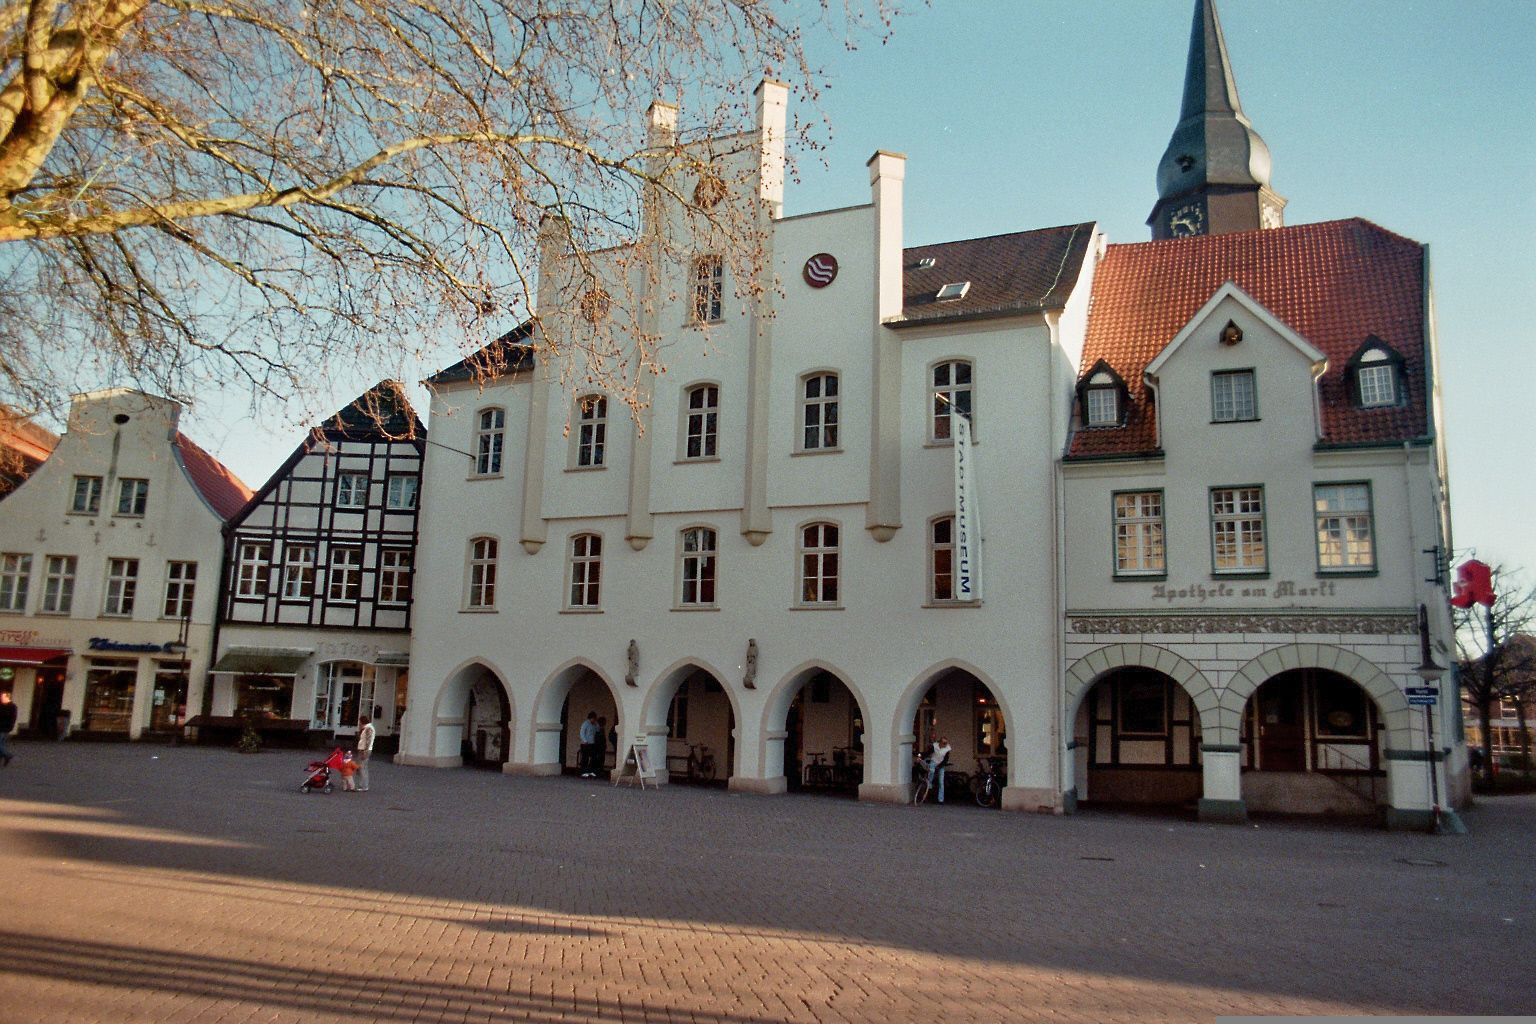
<point>690,722</point>
<point>566,698</point>
<point>1138,736</point>
<point>822,724</point>
<point>472,721</point>
<point>1311,745</point>
<point>959,706</point>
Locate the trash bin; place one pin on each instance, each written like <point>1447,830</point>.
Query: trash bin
<point>62,723</point>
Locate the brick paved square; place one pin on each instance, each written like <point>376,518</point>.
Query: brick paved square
<point>148,883</point>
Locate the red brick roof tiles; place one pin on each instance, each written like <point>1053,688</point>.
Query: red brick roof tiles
<point>219,487</point>
<point>1333,283</point>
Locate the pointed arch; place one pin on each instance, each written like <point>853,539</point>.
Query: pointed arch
<point>551,698</point>
<point>448,718</point>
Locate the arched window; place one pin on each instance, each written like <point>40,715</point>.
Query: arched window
<point>820,564</point>
<point>490,434</point>
<point>696,571</point>
<point>482,572</point>
<point>1375,375</point>
<point>818,412</point>
<point>586,570</point>
<point>591,429</point>
<point>952,383</point>
<point>701,416</point>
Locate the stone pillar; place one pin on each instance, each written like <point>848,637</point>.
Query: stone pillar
<point>772,99</point>
<point>887,172</point>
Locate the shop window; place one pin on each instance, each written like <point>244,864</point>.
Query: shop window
<point>109,687</point>
<point>1143,706</point>
<point>1342,709</point>
<point>269,697</point>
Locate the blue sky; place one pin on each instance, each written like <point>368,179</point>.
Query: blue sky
<point>1419,116</point>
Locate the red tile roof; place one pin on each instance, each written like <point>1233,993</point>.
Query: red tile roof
<point>213,480</point>
<point>1022,272</point>
<point>1334,283</point>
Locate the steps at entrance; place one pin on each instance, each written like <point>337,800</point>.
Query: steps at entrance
<point>1302,793</point>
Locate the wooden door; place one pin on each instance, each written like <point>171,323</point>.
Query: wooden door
<point>1282,732</point>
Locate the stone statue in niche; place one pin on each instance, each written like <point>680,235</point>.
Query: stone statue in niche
<point>633,658</point>
<point>749,679</point>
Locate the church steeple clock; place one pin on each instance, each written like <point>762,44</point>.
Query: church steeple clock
<point>1214,175</point>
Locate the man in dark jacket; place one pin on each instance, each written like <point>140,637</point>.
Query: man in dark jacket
<point>7,723</point>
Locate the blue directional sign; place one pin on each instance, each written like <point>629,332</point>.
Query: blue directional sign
<point>1421,702</point>
<point>1422,691</point>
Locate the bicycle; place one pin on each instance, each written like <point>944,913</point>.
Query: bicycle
<point>921,790</point>
<point>702,766</point>
<point>817,771</point>
<point>988,783</point>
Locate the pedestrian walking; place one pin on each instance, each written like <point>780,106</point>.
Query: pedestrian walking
<point>7,723</point>
<point>365,735</point>
<point>588,755</point>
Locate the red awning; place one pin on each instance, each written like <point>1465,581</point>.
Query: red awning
<point>30,655</point>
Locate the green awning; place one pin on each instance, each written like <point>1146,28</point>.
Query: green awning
<point>262,661</point>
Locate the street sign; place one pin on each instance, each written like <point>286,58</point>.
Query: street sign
<point>1421,702</point>
<point>1422,691</point>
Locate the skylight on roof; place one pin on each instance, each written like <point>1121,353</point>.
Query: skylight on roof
<point>953,290</point>
<point>926,263</point>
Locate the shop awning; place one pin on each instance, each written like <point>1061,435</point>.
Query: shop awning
<point>392,659</point>
<point>30,655</point>
<point>262,661</point>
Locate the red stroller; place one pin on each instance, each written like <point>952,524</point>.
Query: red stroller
<point>318,774</point>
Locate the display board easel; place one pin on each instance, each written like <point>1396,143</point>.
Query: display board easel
<point>637,766</point>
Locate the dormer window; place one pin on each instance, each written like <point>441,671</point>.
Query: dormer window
<point>1375,375</point>
<point>1102,396</point>
<point>953,290</point>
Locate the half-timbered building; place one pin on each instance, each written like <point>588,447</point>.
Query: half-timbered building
<point>319,581</point>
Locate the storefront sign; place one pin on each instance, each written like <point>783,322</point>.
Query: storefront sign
<point>19,637</point>
<point>967,518</point>
<point>99,643</point>
<point>1280,590</point>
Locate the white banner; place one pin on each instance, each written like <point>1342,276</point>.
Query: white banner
<point>967,519</point>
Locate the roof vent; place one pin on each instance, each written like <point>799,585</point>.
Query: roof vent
<point>926,263</point>
<point>953,290</point>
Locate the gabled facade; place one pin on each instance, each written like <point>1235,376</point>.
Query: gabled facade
<point>109,568</point>
<point>319,580</point>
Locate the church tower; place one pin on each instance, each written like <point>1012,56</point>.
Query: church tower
<point>1214,175</point>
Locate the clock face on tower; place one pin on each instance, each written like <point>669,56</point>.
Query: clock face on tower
<point>1186,220</point>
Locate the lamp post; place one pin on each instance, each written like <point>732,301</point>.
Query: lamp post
<point>1431,673</point>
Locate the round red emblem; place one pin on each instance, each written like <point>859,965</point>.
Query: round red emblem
<point>820,270</point>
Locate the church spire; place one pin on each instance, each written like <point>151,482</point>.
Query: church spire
<point>1214,175</point>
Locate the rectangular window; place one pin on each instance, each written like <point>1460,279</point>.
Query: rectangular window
<point>1344,534</point>
<point>951,397</point>
<point>251,570</point>
<point>819,564</point>
<point>1233,397</point>
<point>351,490</point>
<point>592,430</point>
<point>701,429</point>
<point>15,574</point>
<point>87,498</point>
<point>1139,534</point>
<point>1103,409</point>
<point>698,568</point>
<point>482,573</point>
<point>395,566</point>
<point>1378,385</point>
<point>345,582</point>
<point>1143,707</point>
<point>298,572</point>
<point>122,586</point>
<point>59,584</point>
<point>819,412</point>
<point>941,559</point>
<point>708,288</point>
<point>180,584</point>
<point>401,492</point>
<point>489,435</point>
<point>586,570</point>
<point>132,497</point>
<point>1237,530</point>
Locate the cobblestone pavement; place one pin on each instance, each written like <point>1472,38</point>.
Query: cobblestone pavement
<point>164,884</point>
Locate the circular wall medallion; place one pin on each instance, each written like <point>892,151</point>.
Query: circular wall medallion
<point>820,270</point>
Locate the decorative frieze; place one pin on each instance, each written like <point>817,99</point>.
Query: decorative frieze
<point>1313,623</point>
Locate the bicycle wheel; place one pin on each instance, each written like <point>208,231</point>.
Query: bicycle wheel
<point>920,793</point>
<point>986,793</point>
<point>706,771</point>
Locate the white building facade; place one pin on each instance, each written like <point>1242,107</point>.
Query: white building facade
<point>109,568</point>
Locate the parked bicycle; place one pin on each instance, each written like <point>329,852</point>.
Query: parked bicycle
<point>817,771</point>
<point>989,780</point>
<point>698,766</point>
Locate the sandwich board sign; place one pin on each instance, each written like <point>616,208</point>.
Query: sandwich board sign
<point>637,765</point>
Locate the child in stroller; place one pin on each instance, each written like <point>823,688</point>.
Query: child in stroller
<point>318,774</point>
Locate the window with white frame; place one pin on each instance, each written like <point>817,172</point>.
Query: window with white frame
<point>59,584</point>
<point>1237,530</point>
<point>1344,534</point>
<point>252,568</point>
<point>132,497</point>
<point>586,570</point>
<point>708,289</point>
<point>180,587</point>
<point>15,574</point>
<point>482,572</point>
<point>697,551</point>
<point>591,430</point>
<point>1376,379</point>
<point>87,495</point>
<point>400,492</point>
<point>395,566</point>
<point>344,581</point>
<point>351,490</point>
<point>951,397</point>
<point>818,412</point>
<point>1139,534</point>
<point>1103,404</point>
<point>701,422</point>
<point>819,564</point>
<point>941,559</point>
<point>122,586</point>
<point>490,434</point>
<point>298,572</point>
<point>1233,396</point>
